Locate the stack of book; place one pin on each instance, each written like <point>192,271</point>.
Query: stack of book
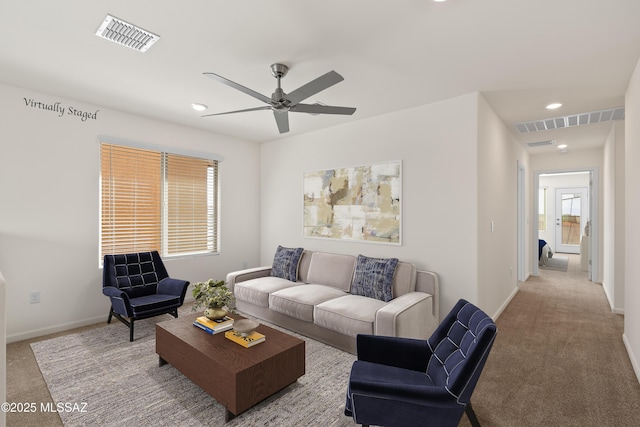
<point>245,340</point>
<point>213,326</point>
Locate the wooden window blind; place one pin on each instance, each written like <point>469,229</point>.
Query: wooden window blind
<point>152,200</point>
<point>191,207</point>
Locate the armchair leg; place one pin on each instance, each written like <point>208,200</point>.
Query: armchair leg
<point>110,315</point>
<point>471,415</point>
<point>129,322</point>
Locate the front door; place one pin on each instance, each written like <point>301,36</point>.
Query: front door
<point>572,214</point>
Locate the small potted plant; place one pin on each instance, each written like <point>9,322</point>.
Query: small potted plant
<point>214,296</point>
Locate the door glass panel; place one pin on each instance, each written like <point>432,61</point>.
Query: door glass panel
<point>571,219</point>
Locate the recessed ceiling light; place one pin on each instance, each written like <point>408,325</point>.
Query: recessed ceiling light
<point>562,146</point>
<point>439,1</point>
<point>554,105</point>
<point>199,107</point>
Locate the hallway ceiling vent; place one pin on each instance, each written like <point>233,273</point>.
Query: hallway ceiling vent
<point>126,34</point>
<point>570,121</point>
<point>541,143</point>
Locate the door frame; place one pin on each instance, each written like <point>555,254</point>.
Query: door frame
<point>594,212</point>
<point>522,267</point>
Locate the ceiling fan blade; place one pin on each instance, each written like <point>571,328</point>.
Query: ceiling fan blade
<point>322,109</point>
<point>239,87</point>
<point>282,119</point>
<point>266,107</point>
<point>314,86</point>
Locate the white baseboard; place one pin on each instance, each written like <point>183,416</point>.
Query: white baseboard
<point>53,329</point>
<point>504,305</point>
<point>632,357</point>
<point>614,309</point>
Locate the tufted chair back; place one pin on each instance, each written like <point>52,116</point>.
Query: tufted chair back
<point>136,274</point>
<point>460,346</point>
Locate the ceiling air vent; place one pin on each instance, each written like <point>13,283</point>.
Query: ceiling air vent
<point>570,121</point>
<point>541,143</point>
<point>126,34</point>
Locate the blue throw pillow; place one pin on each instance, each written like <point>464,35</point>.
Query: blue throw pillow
<point>373,277</point>
<point>285,263</point>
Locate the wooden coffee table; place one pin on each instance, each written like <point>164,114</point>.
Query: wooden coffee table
<point>235,376</point>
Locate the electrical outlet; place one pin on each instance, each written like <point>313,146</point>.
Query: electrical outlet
<point>34,297</point>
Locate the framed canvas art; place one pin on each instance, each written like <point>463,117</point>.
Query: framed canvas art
<point>357,203</point>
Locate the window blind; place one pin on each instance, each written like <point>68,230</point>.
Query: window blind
<point>191,207</point>
<point>152,200</point>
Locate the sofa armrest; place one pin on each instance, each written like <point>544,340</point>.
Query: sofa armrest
<point>246,274</point>
<point>427,281</point>
<point>410,315</point>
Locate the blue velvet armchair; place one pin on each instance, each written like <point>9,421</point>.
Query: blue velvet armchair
<point>411,382</point>
<point>140,287</point>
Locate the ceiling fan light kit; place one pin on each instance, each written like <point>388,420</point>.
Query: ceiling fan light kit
<point>282,103</point>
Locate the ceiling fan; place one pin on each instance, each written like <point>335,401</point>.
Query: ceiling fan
<point>282,103</point>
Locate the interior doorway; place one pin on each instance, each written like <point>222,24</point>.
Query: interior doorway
<point>549,222</point>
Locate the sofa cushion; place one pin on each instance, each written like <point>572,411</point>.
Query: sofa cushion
<point>373,277</point>
<point>332,270</point>
<point>299,301</point>
<point>256,291</point>
<point>404,281</point>
<point>285,263</point>
<point>350,315</point>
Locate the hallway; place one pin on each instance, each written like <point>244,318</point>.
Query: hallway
<point>559,358</point>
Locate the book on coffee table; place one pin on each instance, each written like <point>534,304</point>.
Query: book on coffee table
<point>212,331</point>
<point>245,340</point>
<point>215,324</point>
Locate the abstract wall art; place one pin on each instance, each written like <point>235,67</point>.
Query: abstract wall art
<point>358,203</point>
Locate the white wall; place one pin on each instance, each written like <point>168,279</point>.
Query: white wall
<point>497,183</point>
<point>3,349</point>
<point>632,225</point>
<point>613,218</point>
<point>438,147</point>
<point>49,173</point>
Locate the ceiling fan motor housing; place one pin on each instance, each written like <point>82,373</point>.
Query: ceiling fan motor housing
<point>279,70</point>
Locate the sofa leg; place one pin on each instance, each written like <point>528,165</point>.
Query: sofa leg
<point>131,330</point>
<point>471,415</point>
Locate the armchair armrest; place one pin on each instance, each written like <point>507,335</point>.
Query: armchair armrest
<point>169,286</point>
<point>112,291</point>
<point>409,315</point>
<point>119,300</point>
<point>384,391</point>
<point>246,274</point>
<point>406,353</point>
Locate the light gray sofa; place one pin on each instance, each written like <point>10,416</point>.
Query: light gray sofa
<point>319,304</point>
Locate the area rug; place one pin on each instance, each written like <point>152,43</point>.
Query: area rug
<point>557,263</point>
<point>97,377</point>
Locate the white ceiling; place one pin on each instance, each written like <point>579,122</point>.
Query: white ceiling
<point>521,54</point>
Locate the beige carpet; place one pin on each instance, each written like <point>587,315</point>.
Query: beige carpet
<point>558,359</point>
